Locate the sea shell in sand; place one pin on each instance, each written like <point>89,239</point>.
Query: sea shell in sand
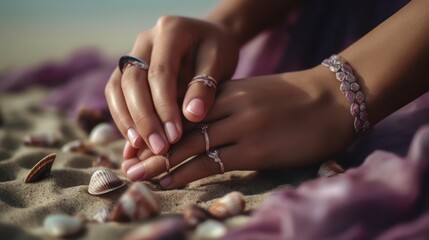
<point>41,140</point>
<point>194,215</point>
<point>137,203</point>
<point>210,229</point>
<point>42,169</point>
<point>60,225</point>
<point>229,205</point>
<point>103,181</point>
<point>102,216</point>
<point>165,228</point>
<point>77,146</point>
<point>103,133</point>
<point>103,161</point>
<point>329,169</point>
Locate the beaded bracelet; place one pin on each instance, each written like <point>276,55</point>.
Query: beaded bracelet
<point>350,88</point>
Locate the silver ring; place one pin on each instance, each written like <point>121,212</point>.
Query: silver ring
<point>208,81</point>
<point>166,158</point>
<point>214,154</point>
<point>203,130</point>
<point>127,60</point>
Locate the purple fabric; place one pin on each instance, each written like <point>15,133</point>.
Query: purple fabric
<point>386,197</point>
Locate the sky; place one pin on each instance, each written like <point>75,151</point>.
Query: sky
<point>36,31</point>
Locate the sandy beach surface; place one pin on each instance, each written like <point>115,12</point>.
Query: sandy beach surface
<point>24,206</point>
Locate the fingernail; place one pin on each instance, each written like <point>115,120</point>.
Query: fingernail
<point>136,172</point>
<point>156,142</point>
<point>165,181</point>
<point>196,107</point>
<point>133,137</point>
<point>172,132</point>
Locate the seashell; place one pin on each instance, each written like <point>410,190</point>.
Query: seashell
<point>103,161</point>
<point>102,216</point>
<point>166,228</point>
<point>42,169</point>
<point>194,215</point>
<point>229,205</point>
<point>103,181</point>
<point>60,225</point>
<point>210,229</point>
<point>237,221</point>
<point>329,169</point>
<point>137,203</point>
<point>41,140</point>
<point>77,146</point>
<point>103,133</point>
<point>88,118</point>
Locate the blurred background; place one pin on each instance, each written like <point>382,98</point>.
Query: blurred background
<point>34,32</point>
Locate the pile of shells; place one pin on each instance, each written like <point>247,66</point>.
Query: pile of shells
<point>60,225</point>
<point>329,169</point>
<point>42,169</point>
<point>104,181</point>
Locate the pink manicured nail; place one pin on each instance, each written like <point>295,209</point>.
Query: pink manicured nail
<point>156,143</point>
<point>196,107</point>
<point>136,172</point>
<point>129,163</point>
<point>172,132</point>
<point>166,181</point>
<point>133,137</point>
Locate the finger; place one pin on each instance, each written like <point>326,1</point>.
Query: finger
<point>119,111</point>
<point>129,163</point>
<point>129,151</point>
<point>139,102</point>
<point>144,153</point>
<point>200,96</point>
<point>200,167</point>
<point>166,57</point>
<point>193,143</point>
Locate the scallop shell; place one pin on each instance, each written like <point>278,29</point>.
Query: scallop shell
<point>41,140</point>
<point>103,133</point>
<point>137,203</point>
<point>103,181</point>
<point>229,205</point>
<point>329,169</point>
<point>42,169</point>
<point>194,215</point>
<point>60,225</point>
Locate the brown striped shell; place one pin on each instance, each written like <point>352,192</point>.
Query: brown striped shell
<point>42,169</point>
<point>329,169</point>
<point>138,202</point>
<point>103,181</point>
<point>229,205</point>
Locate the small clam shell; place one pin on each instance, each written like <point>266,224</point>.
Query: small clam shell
<point>77,146</point>
<point>102,216</point>
<point>166,228</point>
<point>210,229</point>
<point>103,161</point>
<point>103,181</point>
<point>42,169</point>
<point>194,215</point>
<point>229,205</point>
<point>103,133</point>
<point>329,169</point>
<point>41,140</point>
<point>60,225</point>
<point>137,203</point>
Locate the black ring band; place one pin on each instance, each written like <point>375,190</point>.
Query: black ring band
<point>132,60</point>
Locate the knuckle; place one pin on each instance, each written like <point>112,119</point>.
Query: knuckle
<point>169,22</point>
<point>157,71</point>
<point>163,108</point>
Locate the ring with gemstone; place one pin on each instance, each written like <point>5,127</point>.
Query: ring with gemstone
<point>214,154</point>
<point>203,130</point>
<point>128,60</point>
<point>207,80</point>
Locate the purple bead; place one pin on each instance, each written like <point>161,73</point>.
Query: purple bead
<point>344,87</point>
<point>350,78</point>
<point>350,96</point>
<point>326,62</point>
<point>335,67</point>
<point>347,69</point>
<point>354,87</point>
<point>363,116</point>
<point>358,124</point>
<point>354,109</point>
<point>366,126</point>
<point>340,76</point>
<point>362,106</point>
<point>360,97</point>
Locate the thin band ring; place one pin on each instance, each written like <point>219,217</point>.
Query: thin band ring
<point>208,81</point>
<point>214,154</point>
<point>166,158</point>
<point>127,60</point>
<point>203,130</point>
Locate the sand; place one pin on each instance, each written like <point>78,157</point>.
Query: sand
<point>23,206</point>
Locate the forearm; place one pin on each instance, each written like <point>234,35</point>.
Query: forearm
<point>246,18</point>
<point>392,61</point>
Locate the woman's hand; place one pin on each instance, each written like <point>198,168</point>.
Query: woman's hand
<point>144,104</point>
<point>276,121</point>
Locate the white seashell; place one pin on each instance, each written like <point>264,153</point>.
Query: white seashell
<point>166,228</point>
<point>229,205</point>
<point>60,225</point>
<point>103,133</point>
<point>237,221</point>
<point>103,181</point>
<point>102,216</point>
<point>210,229</point>
<point>138,202</point>
<point>329,169</point>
